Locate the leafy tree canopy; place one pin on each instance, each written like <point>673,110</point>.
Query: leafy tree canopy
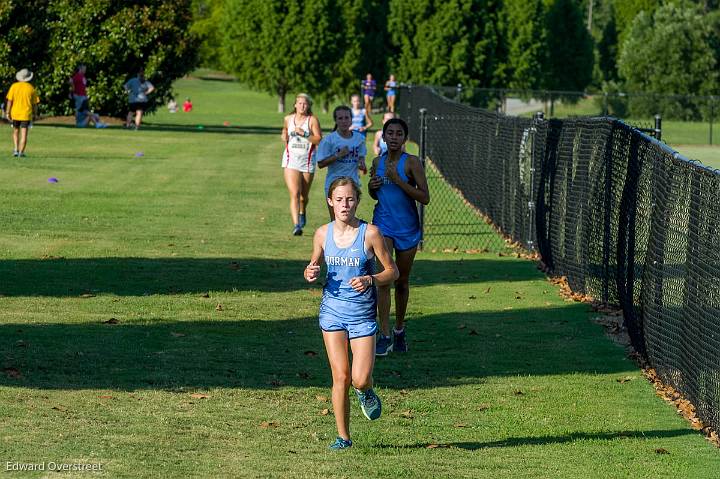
<point>283,46</point>
<point>445,42</point>
<point>114,40</point>
<point>686,63</point>
<point>569,49</point>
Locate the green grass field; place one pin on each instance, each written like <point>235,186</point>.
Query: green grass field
<point>154,321</point>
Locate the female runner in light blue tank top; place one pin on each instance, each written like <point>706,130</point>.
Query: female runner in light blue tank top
<point>348,246</point>
<point>342,152</point>
<point>397,182</point>
<point>390,93</point>
<point>361,120</point>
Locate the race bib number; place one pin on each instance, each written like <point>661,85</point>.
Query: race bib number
<point>297,145</point>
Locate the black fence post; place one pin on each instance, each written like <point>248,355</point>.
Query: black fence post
<point>712,113</point>
<point>658,127</point>
<point>605,104</point>
<point>537,118</point>
<point>423,139</point>
<point>409,110</point>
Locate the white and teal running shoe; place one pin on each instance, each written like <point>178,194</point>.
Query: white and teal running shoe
<point>369,403</point>
<point>340,443</point>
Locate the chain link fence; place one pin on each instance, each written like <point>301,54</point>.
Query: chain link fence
<point>625,218</point>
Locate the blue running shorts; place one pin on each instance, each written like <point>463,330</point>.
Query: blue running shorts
<point>354,329</point>
<point>405,242</point>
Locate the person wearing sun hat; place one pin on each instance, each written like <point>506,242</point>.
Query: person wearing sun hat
<point>22,101</point>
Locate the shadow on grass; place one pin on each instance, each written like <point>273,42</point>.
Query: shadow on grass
<point>545,440</point>
<point>206,128</point>
<point>445,350</point>
<point>146,276</point>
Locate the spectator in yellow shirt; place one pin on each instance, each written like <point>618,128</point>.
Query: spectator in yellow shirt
<point>22,101</point>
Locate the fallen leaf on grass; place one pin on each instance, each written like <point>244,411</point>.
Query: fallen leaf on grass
<point>321,398</point>
<point>177,335</point>
<point>310,354</point>
<point>483,407</point>
<point>518,393</point>
<point>199,396</point>
<point>60,408</point>
<point>206,295</point>
<point>472,297</point>
<point>395,373</point>
<point>487,291</point>
<point>111,321</point>
<point>661,450</point>
<point>407,414</point>
<point>269,424</point>
<point>325,412</point>
<point>435,446</point>
<point>462,326</point>
<point>105,397</point>
<point>87,295</point>
<point>219,307</point>
<point>625,379</point>
<point>461,425</point>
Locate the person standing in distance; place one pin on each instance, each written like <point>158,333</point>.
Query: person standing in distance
<point>361,120</point>
<point>138,89</point>
<point>343,151</point>
<point>390,93</point>
<point>368,90</point>
<point>78,86</point>
<point>301,134</point>
<point>348,309</point>
<point>397,182</point>
<point>22,109</point>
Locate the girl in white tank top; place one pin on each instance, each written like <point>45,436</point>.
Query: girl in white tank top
<point>301,134</point>
<point>300,154</point>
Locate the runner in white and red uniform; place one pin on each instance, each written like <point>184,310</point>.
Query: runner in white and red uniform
<point>301,134</point>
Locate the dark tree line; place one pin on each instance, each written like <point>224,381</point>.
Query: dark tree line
<point>324,47</point>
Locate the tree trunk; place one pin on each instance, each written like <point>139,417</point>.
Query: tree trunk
<point>281,100</point>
